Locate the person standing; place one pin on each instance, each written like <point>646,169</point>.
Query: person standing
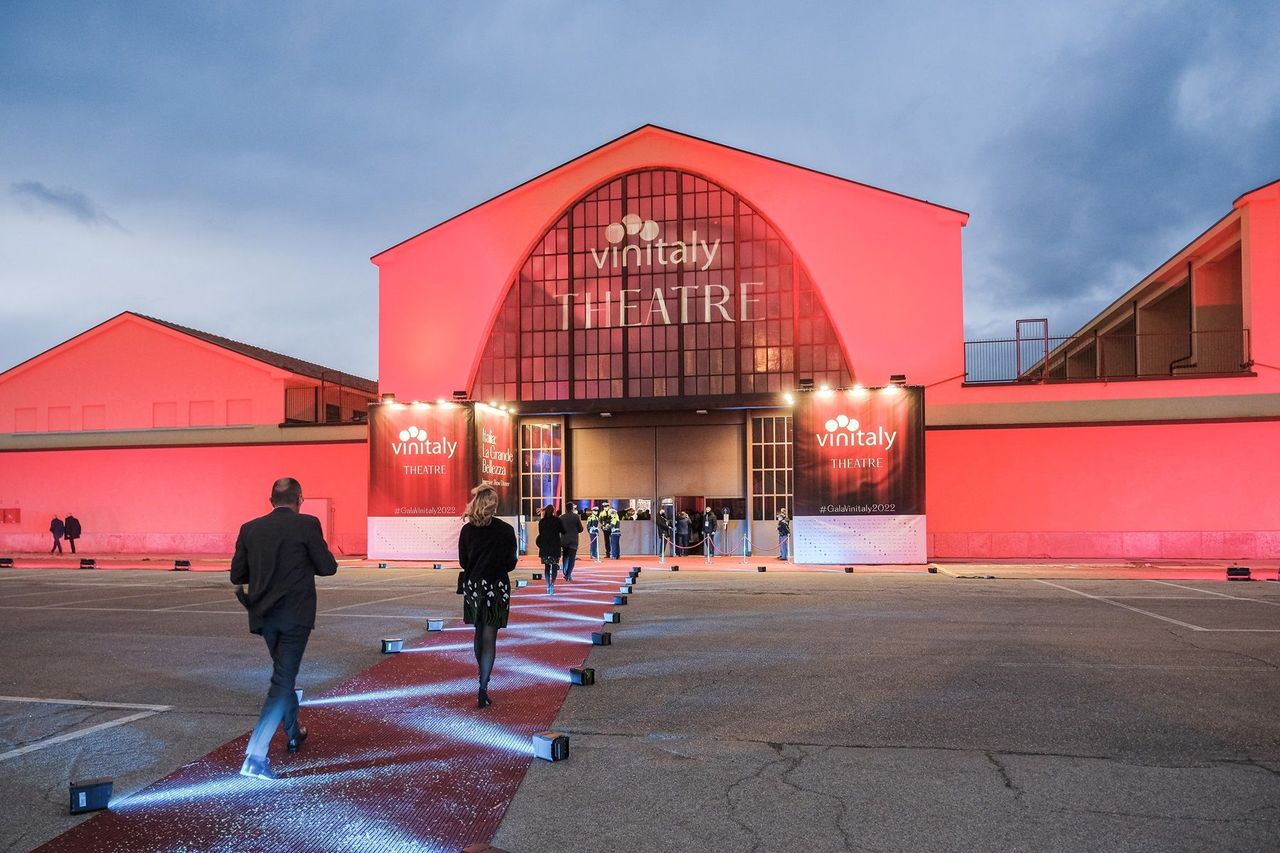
<point>664,531</point>
<point>570,533</point>
<point>57,528</point>
<point>487,554</point>
<point>593,532</point>
<point>682,533</point>
<point>709,533</point>
<point>72,531</point>
<point>279,556</point>
<point>548,542</point>
<point>784,534</point>
<point>615,534</point>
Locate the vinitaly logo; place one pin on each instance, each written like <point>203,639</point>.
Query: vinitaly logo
<point>651,249</point>
<point>844,431</point>
<point>416,442</point>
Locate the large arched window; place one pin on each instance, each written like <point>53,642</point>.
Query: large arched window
<point>659,284</point>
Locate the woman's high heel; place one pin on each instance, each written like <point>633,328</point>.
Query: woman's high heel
<point>482,699</point>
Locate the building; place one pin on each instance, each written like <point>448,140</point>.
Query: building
<point>654,313</point>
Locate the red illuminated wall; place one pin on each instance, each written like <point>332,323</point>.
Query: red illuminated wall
<point>130,373</point>
<point>883,263</point>
<point>178,500</point>
<point>1138,491</point>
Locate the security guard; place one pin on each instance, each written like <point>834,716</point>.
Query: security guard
<point>593,528</point>
<point>615,534</point>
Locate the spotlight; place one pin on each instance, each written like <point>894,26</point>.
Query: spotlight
<point>625,589</point>
<point>89,563</point>
<point>933,570</point>
<point>601,638</point>
<point>91,795</point>
<point>382,565</point>
<point>805,384</point>
<point>612,618</point>
<point>6,562</point>
<point>459,395</point>
<point>760,568</point>
<point>619,600</point>
<point>585,676</point>
<point>182,565</point>
<point>435,625</point>
<point>675,568</point>
<point>537,576</point>
<point>391,646</point>
<point>550,746</point>
<point>848,570</point>
<point>435,565</point>
<point>521,584</point>
<point>897,379</point>
<point>1238,573</point>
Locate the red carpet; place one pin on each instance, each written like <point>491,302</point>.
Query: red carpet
<point>399,758</point>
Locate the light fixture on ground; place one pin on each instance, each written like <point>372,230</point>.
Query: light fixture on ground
<point>611,618</point>
<point>601,638</point>
<point>182,565</point>
<point>625,589</point>
<point>675,568</point>
<point>382,565</point>
<point>91,795</point>
<point>586,676</point>
<point>848,570</point>
<point>760,568</point>
<point>436,566</point>
<point>537,576</point>
<point>89,563</point>
<point>521,584</point>
<point>933,570</point>
<point>392,645</point>
<point>6,562</point>
<point>1239,573</point>
<point>435,624</point>
<point>619,600</point>
<point>298,692</point>
<point>550,746</point>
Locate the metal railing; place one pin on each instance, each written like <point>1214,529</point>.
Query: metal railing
<point>1095,357</point>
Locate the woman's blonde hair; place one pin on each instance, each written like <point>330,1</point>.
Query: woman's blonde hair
<point>482,506</point>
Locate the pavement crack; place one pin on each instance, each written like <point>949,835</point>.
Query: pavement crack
<point>849,843</point>
<point>1187,641</point>
<point>1004,775</point>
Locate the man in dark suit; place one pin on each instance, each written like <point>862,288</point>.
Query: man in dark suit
<point>279,556</point>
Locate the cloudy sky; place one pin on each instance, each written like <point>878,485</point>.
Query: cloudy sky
<point>232,166</point>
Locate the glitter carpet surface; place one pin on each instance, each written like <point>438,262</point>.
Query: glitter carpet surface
<point>399,758</point>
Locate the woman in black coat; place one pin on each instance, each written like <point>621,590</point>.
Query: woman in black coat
<point>487,554</point>
<point>548,542</point>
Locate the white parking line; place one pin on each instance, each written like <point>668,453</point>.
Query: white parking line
<point>174,611</point>
<point>146,711</point>
<point>1219,594</point>
<point>1118,604</point>
<point>376,601</point>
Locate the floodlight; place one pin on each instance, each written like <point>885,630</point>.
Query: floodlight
<point>625,589</point>
<point>392,645</point>
<point>601,638</point>
<point>585,676</point>
<point>848,570</point>
<point>612,618</point>
<point>521,584</point>
<point>89,563</point>
<point>537,576</point>
<point>91,795</point>
<point>760,568</point>
<point>182,565</point>
<point>435,624</point>
<point>1239,573</point>
<point>6,562</point>
<point>619,600</point>
<point>550,746</point>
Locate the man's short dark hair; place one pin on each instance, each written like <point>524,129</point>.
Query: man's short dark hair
<point>286,492</point>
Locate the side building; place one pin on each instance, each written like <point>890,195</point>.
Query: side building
<point>164,439</point>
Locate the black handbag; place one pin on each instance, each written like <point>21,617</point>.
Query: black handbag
<point>462,578</point>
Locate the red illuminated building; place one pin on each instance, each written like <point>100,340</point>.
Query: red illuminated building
<point>650,311</point>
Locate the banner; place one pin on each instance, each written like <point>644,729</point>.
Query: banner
<point>859,476</point>
<point>495,436</point>
<point>419,459</point>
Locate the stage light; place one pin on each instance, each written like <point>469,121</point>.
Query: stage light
<point>619,600</point>
<point>392,645</point>
<point>858,391</point>
<point>760,568</point>
<point>1239,573</point>
<point>459,395</point>
<point>898,379</point>
<point>521,584</point>
<point>435,625</point>
<point>89,563</point>
<point>825,390</point>
<point>91,795</point>
<point>848,570</point>
<point>805,384</point>
<point>537,576</point>
<point>6,562</point>
<point>601,638</point>
<point>182,565</point>
<point>790,400</point>
<point>550,746</point>
<point>612,618</point>
<point>625,589</point>
<point>585,676</point>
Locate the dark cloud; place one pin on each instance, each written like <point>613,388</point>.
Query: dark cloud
<point>64,200</point>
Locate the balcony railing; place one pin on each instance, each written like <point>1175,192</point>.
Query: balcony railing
<point>1099,357</point>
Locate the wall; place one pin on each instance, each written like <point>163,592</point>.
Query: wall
<point>176,500</point>
<point>1176,490</point>
<point>130,373</point>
